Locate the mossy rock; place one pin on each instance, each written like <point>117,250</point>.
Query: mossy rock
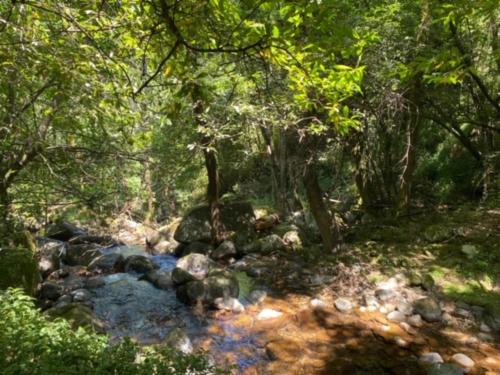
<point>19,268</point>
<point>78,315</point>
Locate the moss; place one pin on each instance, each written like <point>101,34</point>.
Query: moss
<point>246,283</point>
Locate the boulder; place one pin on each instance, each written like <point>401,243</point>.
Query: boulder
<point>107,262</point>
<point>237,217</point>
<point>428,308</point>
<point>197,265</point>
<point>179,276</point>
<point>19,268</point>
<point>50,290</point>
<point>81,295</point>
<point>88,238</point>
<point>492,319</point>
<point>225,250</point>
<point>48,255</point>
<point>160,279</point>
<point>463,360</point>
<point>429,358</point>
<point>139,264</point>
<point>80,255</point>
<point>191,292</point>
<point>78,315</point>
<point>271,243</point>
<point>63,231</point>
<point>220,284</point>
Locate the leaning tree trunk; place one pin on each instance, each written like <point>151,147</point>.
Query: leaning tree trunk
<point>317,206</point>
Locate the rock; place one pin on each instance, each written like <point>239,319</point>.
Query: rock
<point>250,248</point>
<point>178,339</point>
<point>229,304</point>
<point>257,296</point>
<point>399,341</point>
<point>80,255</point>
<point>389,284</point>
<point>81,295</point>
<point>197,265</point>
<point>191,293</point>
<point>166,247</point>
<point>220,284</point>
<point>484,328</point>
<point>153,238</point>
<point>266,314</point>
<point>94,282</point>
<point>415,320</point>
<point>428,308</point>
<point>343,304</point>
<point>179,276</point>
<point>225,250</point>
<point>237,217</point>
<point>48,255</point>
<point>63,231</point>
<point>428,282</point>
<point>385,294</point>
<point>396,316</point>
<point>444,369</point>
<point>317,303</point>
<point>470,251</point>
<point>447,318</point>
<point>50,290</point>
<point>415,279</point>
<point>404,307</point>
<point>160,279</point>
<point>437,233</point>
<point>79,316</point>
<point>91,239</point>
<point>371,301</point>
<point>107,262</point>
<point>139,264</point>
<point>492,319</point>
<point>271,243</point>
<point>408,328</point>
<point>196,247</point>
<point>292,239</point>
<point>429,358</point>
<point>463,360</point>
<point>64,300</point>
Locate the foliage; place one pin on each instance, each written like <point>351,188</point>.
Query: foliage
<point>31,344</point>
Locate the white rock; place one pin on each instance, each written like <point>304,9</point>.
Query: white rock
<point>317,303</point>
<point>431,357</point>
<point>463,360</point>
<point>415,320</point>
<point>400,342</point>
<point>391,284</point>
<point>343,304</point>
<point>408,328</point>
<point>484,328</point>
<point>396,316</point>
<point>269,314</point>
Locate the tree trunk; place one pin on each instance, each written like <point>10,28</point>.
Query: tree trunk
<point>213,194</point>
<point>317,205</point>
<point>148,185</point>
<point>268,141</point>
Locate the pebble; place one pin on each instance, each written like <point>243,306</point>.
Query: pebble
<point>385,294</point>
<point>415,320</point>
<point>400,342</point>
<point>431,357</point>
<point>462,360</point>
<point>269,314</point>
<point>408,328</point>
<point>396,316</point>
<point>484,328</point>
<point>404,307</point>
<point>343,304</point>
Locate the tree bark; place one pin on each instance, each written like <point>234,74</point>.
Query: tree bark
<point>317,205</point>
<point>213,193</point>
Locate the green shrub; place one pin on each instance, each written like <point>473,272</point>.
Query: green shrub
<point>32,344</point>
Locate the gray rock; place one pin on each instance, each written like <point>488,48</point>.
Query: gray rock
<point>64,300</point>
<point>81,255</point>
<point>107,262</point>
<point>160,279</point>
<point>94,282</point>
<point>257,296</point>
<point>492,319</point>
<point>48,255</point>
<point>429,358</point>
<point>250,248</point>
<point>50,290</point>
<point>415,321</point>
<point>197,265</point>
<point>237,217</point>
<point>63,231</point>
<point>463,360</point>
<point>139,264</point>
<point>428,308</point>
<point>271,243</point>
<point>220,284</point>
<point>385,294</point>
<point>404,307</point>
<point>444,369</point>
<point>225,250</point>
<point>179,276</point>
<point>178,339</point>
<point>196,247</point>
<point>92,239</point>
<point>192,292</point>
<point>343,304</point>
<point>81,295</point>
